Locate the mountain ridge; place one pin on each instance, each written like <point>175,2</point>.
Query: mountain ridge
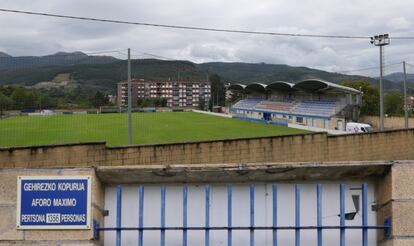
<point>3,54</point>
<point>103,72</point>
<point>399,77</point>
<point>59,58</point>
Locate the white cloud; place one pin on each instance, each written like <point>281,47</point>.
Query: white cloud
<point>399,23</point>
<point>34,35</point>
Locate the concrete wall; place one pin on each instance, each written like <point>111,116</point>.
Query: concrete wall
<point>389,122</point>
<point>9,235</point>
<point>316,129</point>
<point>396,199</point>
<point>318,147</point>
<point>395,191</point>
<point>394,195</point>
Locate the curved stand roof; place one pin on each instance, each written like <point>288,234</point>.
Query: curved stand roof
<point>237,87</point>
<point>280,86</point>
<point>315,85</point>
<point>255,87</point>
<point>312,85</point>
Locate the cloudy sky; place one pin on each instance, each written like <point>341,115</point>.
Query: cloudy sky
<point>35,35</point>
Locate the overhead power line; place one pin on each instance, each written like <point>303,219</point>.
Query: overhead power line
<point>192,27</point>
<point>102,52</point>
<point>367,68</point>
<point>153,55</point>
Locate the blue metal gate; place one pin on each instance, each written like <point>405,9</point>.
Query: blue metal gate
<point>297,228</point>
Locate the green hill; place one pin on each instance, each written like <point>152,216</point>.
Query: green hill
<point>60,58</point>
<point>104,75</point>
<point>266,73</point>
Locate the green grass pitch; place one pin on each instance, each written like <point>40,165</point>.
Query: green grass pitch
<point>148,128</point>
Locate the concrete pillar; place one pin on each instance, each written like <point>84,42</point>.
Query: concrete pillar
<point>396,201</point>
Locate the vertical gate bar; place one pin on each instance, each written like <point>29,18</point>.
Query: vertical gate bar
<point>364,214</point>
<point>141,216</point>
<point>342,214</point>
<point>297,215</point>
<point>162,215</point>
<point>319,212</point>
<point>185,191</point>
<point>118,214</point>
<point>229,212</point>
<point>95,229</point>
<point>207,225</point>
<point>274,191</point>
<point>252,215</point>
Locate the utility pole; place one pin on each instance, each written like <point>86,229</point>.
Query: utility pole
<point>381,40</point>
<point>217,95</point>
<point>405,98</point>
<point>129,99</point>
<point>381,91</point>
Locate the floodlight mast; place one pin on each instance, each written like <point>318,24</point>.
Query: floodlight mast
<point>129,99</point>
<point>405,98</point>
<point>381,41</point>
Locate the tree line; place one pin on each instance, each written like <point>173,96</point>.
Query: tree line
<point>151,102</point>
<point>14,97</point>
<point>393,100</point>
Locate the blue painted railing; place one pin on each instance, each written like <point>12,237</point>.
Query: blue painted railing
<point>342,227</point>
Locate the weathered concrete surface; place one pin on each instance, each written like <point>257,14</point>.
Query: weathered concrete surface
<point>9,235</point>
<point>317,129</point>
<point>389,122</point>
<point>399,242</point>
<point>261,172</point>
<point>396,196</point>
<point>403,218</point>
<point>314,157</point>
<point>312,147</point>
<point>8,224</point>
<point>48,243</point>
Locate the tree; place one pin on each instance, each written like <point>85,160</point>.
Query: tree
<point>218,91</point>
<point>202,104</point>
<point>99,99</point>
<point>7,90</point>
<point>370,96</point>
<point>23,98</point>
<point>140,102</point>
<point>157,102</point>
<point>45,101</point>
<point>146,102</point>
<point>5,103</point>
<point>163,102</point>
<point>394,104</point>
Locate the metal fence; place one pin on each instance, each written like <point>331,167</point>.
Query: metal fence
<point>207,228</point>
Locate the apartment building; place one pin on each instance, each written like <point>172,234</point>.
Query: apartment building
<point>185,93</point>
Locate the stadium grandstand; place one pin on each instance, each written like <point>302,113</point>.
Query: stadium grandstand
<point>311,102</point>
